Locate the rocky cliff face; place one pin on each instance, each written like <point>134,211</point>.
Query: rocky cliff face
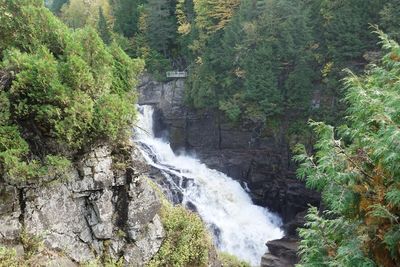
<point>98,212</point>
<point>253,154</point>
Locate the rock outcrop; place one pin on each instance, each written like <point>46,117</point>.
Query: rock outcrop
<point>283,252</point>
<point>257,156</point>
<point>99,211</point>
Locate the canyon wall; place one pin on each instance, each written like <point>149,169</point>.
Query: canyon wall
<point>98,212</point>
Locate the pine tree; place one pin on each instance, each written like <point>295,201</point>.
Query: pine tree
<point>126,13</point>
<point>103,28</point>
<point>161,26</point>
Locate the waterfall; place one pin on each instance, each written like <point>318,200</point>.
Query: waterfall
<point>238,226</point>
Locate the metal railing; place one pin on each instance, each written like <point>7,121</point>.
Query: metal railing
<point>176,74</point>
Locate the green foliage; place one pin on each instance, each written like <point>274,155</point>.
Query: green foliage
<point>103,27</point>
<point>186,243</point>
<point>125,70</point>
<point>32,244</point>
<point>104,263</point>
<point>68,91</point>
<point>345,25</point>
<point>157,64</point>
<point>114,116</point>
<point>228,260</point>
<point>357,171</point>
<point>98,58</point>
<point>127,13</point>
<point>76,122</point>
<point>232,108</point>
<point>390,19</point>
<point>13,150</point>
<point>4,109</point>
<point>8,258</point>
<point>80,13</point>
<point>156,36</point>
<point>258,64</point>
<point>160,25</point>
<point>262,59</point>
<point>76,73</point>
<point>27,25</point>
<point>330,242</point>
<point>212,16</point>
<point>56,5</point>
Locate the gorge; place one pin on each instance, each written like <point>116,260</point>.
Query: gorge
<point>238,226</point>
<point>261,162</point>
<point>262,165</point>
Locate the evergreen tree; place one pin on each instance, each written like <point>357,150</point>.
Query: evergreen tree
<point>389,19</point>
<point>357,170</point>
<point>103,28</point>
<point>126,13</point>
<point>161,25</point>
<point>260,64</point>
<point>81,13</point>
<point>57,5</point>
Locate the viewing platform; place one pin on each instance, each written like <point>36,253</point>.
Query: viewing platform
<point>176,74</point>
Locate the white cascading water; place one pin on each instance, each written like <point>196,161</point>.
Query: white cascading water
<point>239,227</point>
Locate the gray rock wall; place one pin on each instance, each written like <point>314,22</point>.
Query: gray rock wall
<point>99,211</point>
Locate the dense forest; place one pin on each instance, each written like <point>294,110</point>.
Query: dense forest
<point>255,59</point>
<point>74,65</point>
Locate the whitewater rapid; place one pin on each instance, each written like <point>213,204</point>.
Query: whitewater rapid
<point>238,226</point>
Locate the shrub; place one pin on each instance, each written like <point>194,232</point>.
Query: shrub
<point>75,125</point>
<point>97,57</point>
<point>228,260</point>
<point>187,242</point>
<point>114,116</point>
<point>69,90</point>
<point>75,73</point>
<point>13,148</point>
<point>32,244</point>
<point>125,70</point>
<point>8,258</point>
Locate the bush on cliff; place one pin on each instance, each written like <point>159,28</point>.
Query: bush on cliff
<point>357,169</point>
<point>8,258</point>
<point>187,242</point>
<point>228,260</point>
<point>68,91</point>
